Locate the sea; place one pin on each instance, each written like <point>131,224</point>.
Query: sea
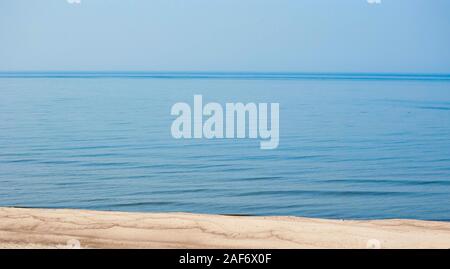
<point>351,146</point>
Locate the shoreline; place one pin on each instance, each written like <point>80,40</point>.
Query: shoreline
<point>73,228</point>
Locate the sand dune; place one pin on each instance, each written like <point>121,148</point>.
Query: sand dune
<point>66,228</point>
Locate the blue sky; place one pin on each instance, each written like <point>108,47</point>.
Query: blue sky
<point>226,35</point>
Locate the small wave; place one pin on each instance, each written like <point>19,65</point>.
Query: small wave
<point>388,182</point>
<point>326,193</point>
<point>435,107</point>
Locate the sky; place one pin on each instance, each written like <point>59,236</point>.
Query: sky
<point>388,36</point>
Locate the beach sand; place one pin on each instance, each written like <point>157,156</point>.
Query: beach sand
<point>68,228</point>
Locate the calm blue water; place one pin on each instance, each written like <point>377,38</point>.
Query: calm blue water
<point>357,147</point>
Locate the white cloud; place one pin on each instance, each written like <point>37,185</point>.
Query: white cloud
<point>74,2</point>
<point>371,2</point>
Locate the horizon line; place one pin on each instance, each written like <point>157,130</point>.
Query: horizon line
<point>226,75</point>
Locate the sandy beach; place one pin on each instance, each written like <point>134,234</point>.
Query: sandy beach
<point>68,228</point>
